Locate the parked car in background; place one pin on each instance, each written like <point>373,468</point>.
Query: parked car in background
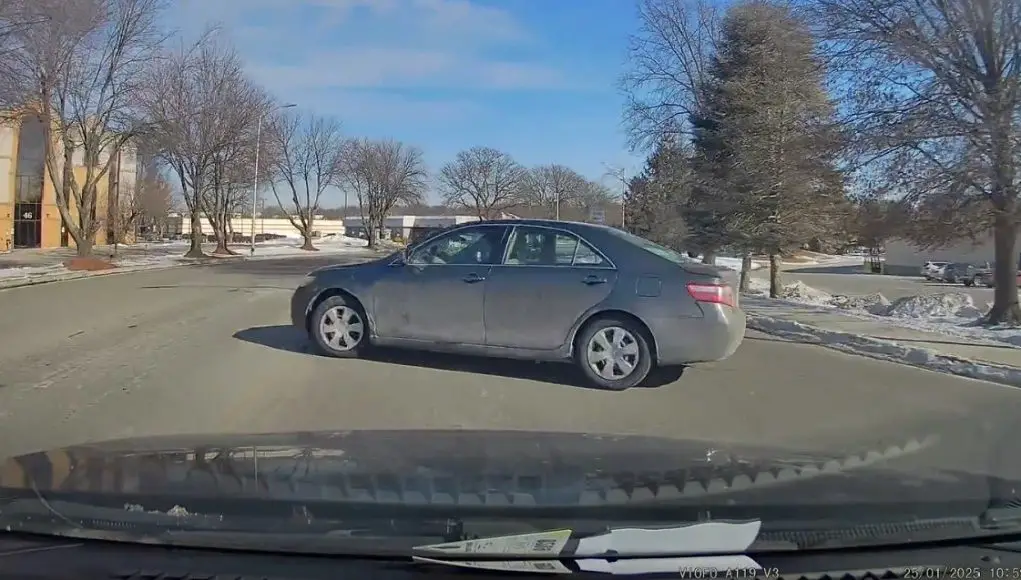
<point>626,311</point>
<point>977,274</point>
<point>955,272</point>
<point>985,278</point>
<point>933,270</point>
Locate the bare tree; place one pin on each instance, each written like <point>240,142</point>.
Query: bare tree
<point>668,61</point>
<point>151,202</point>
<point>482,180</point>
<point>79,68</point>
<point>227,188</point>
<point>382,175</point>
<point>593,195</point>
<point>932,91</point>
<point>550,187</point>
<point>306,161</point>
<point>203,109</point>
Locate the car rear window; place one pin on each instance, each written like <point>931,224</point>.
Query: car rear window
<point>652,247</point>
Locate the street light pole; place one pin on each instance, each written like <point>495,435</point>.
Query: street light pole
<point>621,175</point>
<point>255,180</point>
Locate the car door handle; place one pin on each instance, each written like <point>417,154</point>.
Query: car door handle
<point>593,280</point>
<point>473,278</point>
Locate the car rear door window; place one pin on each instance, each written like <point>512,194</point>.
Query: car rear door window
<point>586,256</point>
<point>532,246</point>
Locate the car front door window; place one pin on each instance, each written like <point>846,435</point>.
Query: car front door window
<point>460,248</point>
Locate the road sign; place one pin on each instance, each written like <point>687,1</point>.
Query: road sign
<point>597,216</point>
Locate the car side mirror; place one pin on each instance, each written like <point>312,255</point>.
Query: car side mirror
<point>402,258</point>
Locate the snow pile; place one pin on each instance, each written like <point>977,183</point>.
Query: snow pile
<point>888,350</point>
<point>944,305</point>
<point>733,263</point>
<point>874,303</point>
<point>330,244</point>
<point>796,291</point>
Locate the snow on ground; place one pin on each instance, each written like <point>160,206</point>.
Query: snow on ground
<point>162,255</point>
<point>887,350</point>
<point>949,313</point>
<point>805,260</point>
<point>329,244</point>
<point>953,314</point>
<point>732,263</point>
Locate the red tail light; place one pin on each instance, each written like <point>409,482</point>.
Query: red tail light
<point>712,293</point>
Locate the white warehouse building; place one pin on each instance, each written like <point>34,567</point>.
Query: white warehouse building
<point>906,258</point>
<point>398,226</point>
<point>405,226</point>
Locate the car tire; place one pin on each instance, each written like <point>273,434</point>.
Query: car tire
<point>350,344</point>
<point>640,354</point>
<point>969,283</point>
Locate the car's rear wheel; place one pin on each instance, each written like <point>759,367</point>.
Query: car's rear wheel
<point>613,353</point>
<point>338,327</point>
<point>969,282</point>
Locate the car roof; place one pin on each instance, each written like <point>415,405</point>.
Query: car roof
<point>562,224</point>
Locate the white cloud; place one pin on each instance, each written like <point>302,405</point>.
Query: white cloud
<point>398,68</point>
<point>376,43</point>
<point>371,58</point>
<point>354,106</point>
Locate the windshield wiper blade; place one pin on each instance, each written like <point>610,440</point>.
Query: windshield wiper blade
<point>704,539</point>
<point>715,547</point>
<point>685,566</point>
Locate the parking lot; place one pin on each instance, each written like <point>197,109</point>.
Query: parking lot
<point>208,350</point>
<point>850,279</point>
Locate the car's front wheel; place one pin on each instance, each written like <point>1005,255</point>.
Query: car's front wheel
<point>613,353</point>
<point>338,327</point>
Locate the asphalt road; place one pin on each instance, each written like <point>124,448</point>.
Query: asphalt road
<point>208,350</point>
<point>851,280</point>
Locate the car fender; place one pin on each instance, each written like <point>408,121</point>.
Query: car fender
<point>335,289</point>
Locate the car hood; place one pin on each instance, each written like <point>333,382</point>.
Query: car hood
<point>490,467</point>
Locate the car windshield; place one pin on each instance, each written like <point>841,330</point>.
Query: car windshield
<point>307,275</point>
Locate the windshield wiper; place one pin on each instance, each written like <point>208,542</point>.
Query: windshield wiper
<point>714,546</point>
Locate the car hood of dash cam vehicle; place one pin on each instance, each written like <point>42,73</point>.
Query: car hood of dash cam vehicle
<point>478,468</point>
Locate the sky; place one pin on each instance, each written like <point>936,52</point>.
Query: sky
<point>534,78</point>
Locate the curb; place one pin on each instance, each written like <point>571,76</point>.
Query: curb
<point>12,283</point>
<point>884,350</point>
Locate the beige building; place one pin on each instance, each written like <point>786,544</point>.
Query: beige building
<point>29,217</point>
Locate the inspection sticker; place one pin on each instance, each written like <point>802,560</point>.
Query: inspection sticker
<point>548,544</point>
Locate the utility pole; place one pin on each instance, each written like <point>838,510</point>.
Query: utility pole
<point>255,180</point>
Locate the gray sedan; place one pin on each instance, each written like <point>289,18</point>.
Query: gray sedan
<point>628,312</point>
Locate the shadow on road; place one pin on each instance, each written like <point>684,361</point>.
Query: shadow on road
<point>844,269</point>
<point>286,338</point>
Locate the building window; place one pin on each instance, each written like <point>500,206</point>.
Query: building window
<point>31,163</point>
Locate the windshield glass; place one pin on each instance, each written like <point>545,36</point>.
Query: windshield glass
<point>367,271</point>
